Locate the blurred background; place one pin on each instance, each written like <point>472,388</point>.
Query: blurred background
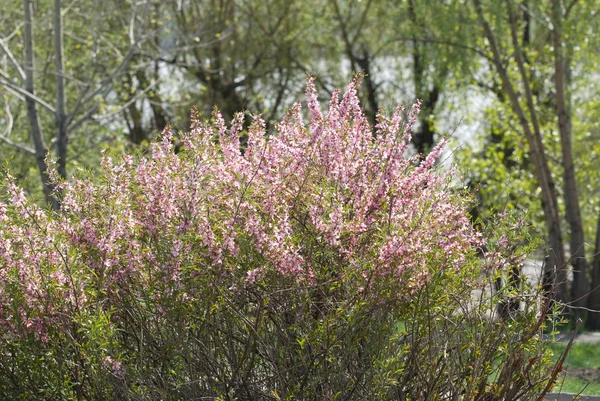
<point>515,83</point>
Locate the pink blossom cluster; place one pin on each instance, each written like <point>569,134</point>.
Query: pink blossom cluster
<point>333,199</point>
<point>35,261</point>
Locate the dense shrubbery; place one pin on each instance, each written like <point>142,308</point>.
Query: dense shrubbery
<point>319,263</point>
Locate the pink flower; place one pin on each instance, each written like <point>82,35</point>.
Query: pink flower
<point>333,199</point>
<point>115,366</point>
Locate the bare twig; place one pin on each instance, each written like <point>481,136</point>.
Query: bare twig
<point>28,95</point>
<point>436,41</point>
<point>128,103</point>
<point>12,59</point>
<point>9,126</point>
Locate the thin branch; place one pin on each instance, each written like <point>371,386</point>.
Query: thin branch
<point>345,36</point>
<point>362,22</point>
<point>14,93</point>
<point>108,43</point>
<point>105,85</point>
<point>85,117</point>
<point>28,95</point>
<point>69,78</point>
<point>17,145</point>
<point>534,16</point>
<point>569,8</point>
<point>68,8</point>
<point>559,364</point>
<point>77,104</point>
<point>14,32</point>
<point>436,41</point>
<point>518,54</point>
<point>327,87</point>
<point>12,59</point>
<point>283,83</point>
<point>88,114</point>
<point>129,102</point>
<point>109,80</point>
<point>9,126</point>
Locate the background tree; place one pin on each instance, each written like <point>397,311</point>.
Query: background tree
<point>74,59</point>
<point>544,61</point>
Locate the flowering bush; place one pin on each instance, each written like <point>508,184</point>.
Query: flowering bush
<point>320,262</point>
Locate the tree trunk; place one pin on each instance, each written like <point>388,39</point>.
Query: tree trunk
<point>423,138</point>
<point>364,63</point>
<point>593,320</point>
<point>60,115</point>
<point>32,112</point>
<point>573,212</point>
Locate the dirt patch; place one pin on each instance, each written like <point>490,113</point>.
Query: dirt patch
<point>591,375</point>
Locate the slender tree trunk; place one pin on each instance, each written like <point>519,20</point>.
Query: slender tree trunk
<point>60,115</point>
<point>424,137</point>
<point>364,63</point>
<point>593,320</point>
<point>573,212</point>
<point>32,112</point>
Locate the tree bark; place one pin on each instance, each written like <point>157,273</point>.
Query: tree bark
<point>364,63</point>
<point>32,113</point>
<point>573,213</point>
<point>593,320</point>
<point>60,115</point>
<point>423,138</point>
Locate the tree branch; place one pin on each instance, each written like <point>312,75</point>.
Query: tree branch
<point>439,42</point>
<point>521,66</point>
<point>88,114</point>
<point>28,95</point>
<point>362,22</point>
<point>569,8</point>
<point>129,102</point>
<point>345,36</point>
<point>105,86</point>
<point>9,126</point>
<point>12,59</point>
<point>17,145</point>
